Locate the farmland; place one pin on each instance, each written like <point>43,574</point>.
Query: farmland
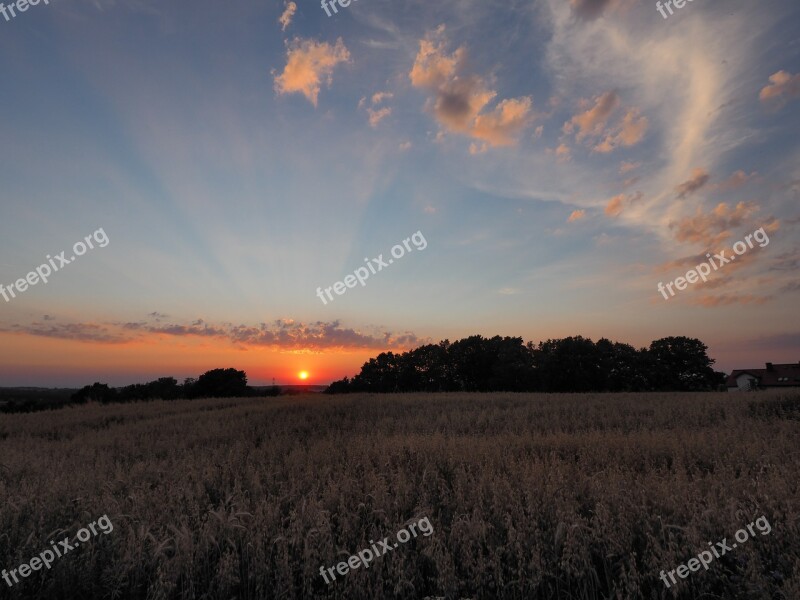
<point>530,495</point>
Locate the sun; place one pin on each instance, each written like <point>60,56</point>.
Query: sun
<point>303,374</point>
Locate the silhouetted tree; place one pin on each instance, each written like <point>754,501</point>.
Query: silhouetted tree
<point>680,363</point>
<point>339,387</point>
<point>97,392</point>
<point>221,383</point>
<point>569,365</point>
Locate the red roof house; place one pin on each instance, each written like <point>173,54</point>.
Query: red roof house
<point>774,376</point>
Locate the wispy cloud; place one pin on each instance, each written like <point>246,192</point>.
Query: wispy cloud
<point>286,18</point>
<point>735,181</point>
<point>576,215</point>
<point>698,179</point>
<point>590,9</point>
<point>281,334</point>
<point>592,125</point>
<point>616,205</point>
<point>628,166</point>
<point>712,227</point>
<point>376,115</point>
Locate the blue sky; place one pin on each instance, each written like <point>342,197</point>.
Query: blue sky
<point>560,158</point>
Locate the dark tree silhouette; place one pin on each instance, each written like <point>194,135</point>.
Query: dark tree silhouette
<point>221,383</point>
<point>572,364</point>
<point>97,392</point>
<point>681,363</point>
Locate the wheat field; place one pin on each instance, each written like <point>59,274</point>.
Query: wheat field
<point>530,496</point>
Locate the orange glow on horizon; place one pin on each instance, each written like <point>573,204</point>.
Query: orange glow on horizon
<point>49,362</point>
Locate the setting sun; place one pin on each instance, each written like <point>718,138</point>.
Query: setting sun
<point>303,374</point>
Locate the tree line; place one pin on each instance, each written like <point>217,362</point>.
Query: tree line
<point>217,383</point>
<point>572,364</point>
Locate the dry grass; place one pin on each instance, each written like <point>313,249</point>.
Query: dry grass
<point>530,496</point>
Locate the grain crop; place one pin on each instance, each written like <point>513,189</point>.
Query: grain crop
<point>576,496</point>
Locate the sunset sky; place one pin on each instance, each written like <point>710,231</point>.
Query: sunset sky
<point>560,157</point>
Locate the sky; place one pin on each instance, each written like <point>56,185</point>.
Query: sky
<point>542,167</point>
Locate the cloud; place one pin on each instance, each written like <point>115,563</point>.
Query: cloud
<point>562,152</point>
<point>616,204</point>
<point>379,97</point>
<point>460,101</point>
<point>478,148</point>
<point>728,299</point>
<point>309,64</point>
<point>197,328</point>
<point>592,124</point>
<point>281,334</point>
<point>508,291</point>
<point>288,334</point>
<point>626,167</point>
<point>376,116</point>
<point>735,181</point>
<point>792,286</point>
<point>685,261</point>
<point>500,126</point>
<point>576,215</point>
<point>286,18</point>
<point>592,121</point>
<point>629,182</point>
<point>698,179</point>
<point>782,87</point>
<point>405,146</point>
<point>82,332</point>
<point>590,9</point>
<point>710,229</point>
<point>789,341</point>
<point>629,132</point>
<point>432,67</point>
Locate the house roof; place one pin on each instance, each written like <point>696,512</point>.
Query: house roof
<point>787,375</point>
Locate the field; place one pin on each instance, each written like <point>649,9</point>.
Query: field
<point>529,496</point>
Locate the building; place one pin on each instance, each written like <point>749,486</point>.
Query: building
<point>774,376</point>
